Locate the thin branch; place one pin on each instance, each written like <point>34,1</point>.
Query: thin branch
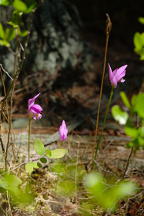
<point>6,72</point>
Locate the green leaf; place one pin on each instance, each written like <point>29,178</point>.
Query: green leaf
<point>20,5</point>
<point>116,193</point>
<point>43,160</point>
<point>57,153</point>
<point>39,147</point>
<point>4,2</point>
<point>4,43</point>
<point>25,6</point>
<point>23,33</point>
<point>30,167</point>
<point>10,34</point>
<point>138,104</point>
<point>141,131</point>
<point>133,100</point>
<point>39,165</point>
<point>119,115</point>
<point>141,20</point>
<point>125,99</point>
<point>105,194</point>
<point>138,41</point>
<point>12,183</point>
<point>132,132</point>
<point>31,5</point>
<point>2,33</point>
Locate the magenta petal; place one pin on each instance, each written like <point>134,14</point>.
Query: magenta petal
<point>117,75</point>
<point>110,73</point>
<point>38,107</point>
<point>35,109</point>
<point>36,96</point>
<point>121,72</point>
<point>31,101</point>
<point>63,131</point>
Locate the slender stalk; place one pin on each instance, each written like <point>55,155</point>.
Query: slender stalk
<point>99,140</point>
<point>29,135</point>
<point>108,30</point>
<point>16,72</point>
<point>128,161</point>
<point>108,107</point>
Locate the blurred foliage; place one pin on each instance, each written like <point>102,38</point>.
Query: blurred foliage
<point>13,25</point>
<point>19,193</point>
<point>139,41</point>
<point>135,108</point>
<point>70,176</point>
<point>107,195</point>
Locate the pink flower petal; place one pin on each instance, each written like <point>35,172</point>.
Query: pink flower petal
<point>63,131</point>
<point>117,75</point>
<point>36,108</point>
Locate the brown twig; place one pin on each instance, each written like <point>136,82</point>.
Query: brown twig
<point>128,161</point>
<point>108,30</point>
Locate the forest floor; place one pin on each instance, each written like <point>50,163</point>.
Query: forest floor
<point>78,102</point>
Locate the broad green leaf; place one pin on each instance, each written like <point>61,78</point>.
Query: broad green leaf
<point>10,34</point>
<point>20,5</point>
<point>2,33</point>
<point>105,194</point>
<point>116,193</point>
<point>48,152</point>
<point>30,167</point>
<point>138,41</point>
<point>133,100</point>
<point>93,179</point>
<point>39,147</point>
<point>125,99</point>
<point>23,33</point>
<point>141,131</point>
<point>138,104</point>
<point>4,2</point>
<point>141,142</point>
<point>39,165</point>
<point>43,160</point>
<point>119,115</point>
<point>57,153</point>
<point>132,132</point>
<point>31,5</point>
<point>14,25</point>
<point>12,183</point>
<point>141,20</point>
<point>4,43</point>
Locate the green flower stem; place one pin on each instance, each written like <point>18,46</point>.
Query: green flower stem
<point>29,135</point>
<point>100,138</point>
<point>108,107</point>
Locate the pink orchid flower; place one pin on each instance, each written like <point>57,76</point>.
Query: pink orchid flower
<point>34,109</point>
<point>63,131</point>
<point>117,75</point>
